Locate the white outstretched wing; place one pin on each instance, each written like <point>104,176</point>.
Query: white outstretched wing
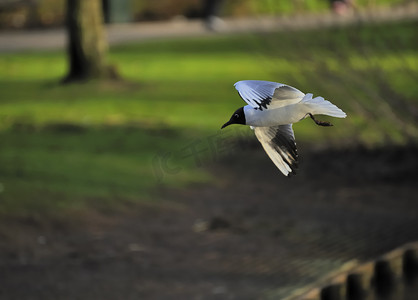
<point>279,144</point>
<point>265,94</point>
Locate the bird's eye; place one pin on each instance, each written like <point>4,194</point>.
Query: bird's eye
<point>236,116</point>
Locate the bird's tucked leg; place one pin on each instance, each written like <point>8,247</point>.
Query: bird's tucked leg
<point>320,123</point>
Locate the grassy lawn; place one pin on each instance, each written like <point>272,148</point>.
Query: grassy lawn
<point>103,143</point>
<point>290,7</point>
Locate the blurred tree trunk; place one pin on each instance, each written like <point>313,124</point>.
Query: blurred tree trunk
<point>87,44</point>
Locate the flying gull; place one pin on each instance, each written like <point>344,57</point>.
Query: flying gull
<point>272,109</point>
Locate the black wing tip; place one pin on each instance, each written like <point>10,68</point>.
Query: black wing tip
<point>288,152</point>
<point>295,169</point>
<point>291,174</point>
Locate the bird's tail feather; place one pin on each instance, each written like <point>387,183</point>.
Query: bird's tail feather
<point>320,106</point>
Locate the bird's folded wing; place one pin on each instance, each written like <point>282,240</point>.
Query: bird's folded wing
<point>279,144</point>
<point>265,94</point>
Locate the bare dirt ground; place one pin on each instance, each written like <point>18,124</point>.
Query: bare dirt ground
<point>254,234</point>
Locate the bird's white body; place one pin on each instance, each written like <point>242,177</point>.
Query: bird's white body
<point>288,114</point>
<point>272,109</point>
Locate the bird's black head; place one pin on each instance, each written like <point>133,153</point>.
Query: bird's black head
<point>238,117</point>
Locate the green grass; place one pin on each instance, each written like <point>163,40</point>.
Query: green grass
<point>98,144</point>
<point>289,7</point>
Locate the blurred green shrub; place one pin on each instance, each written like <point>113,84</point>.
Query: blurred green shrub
<point>47,13</point>
<point>39,13</point>
<point>148,10</point>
